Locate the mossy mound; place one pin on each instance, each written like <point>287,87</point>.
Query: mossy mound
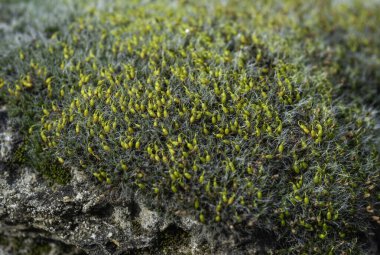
<point>229,111</point>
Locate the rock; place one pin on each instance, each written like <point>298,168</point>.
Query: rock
<point>5,136</point>
<point>96,220</point>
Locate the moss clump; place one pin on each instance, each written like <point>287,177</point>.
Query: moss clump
<point>36,246</point>
<point>229,112</point>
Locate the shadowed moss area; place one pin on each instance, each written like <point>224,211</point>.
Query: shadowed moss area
<point>169,241</point>
<point>36,246</point>
<point>252,117</point>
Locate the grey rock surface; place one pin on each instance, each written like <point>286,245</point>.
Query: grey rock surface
<point>97,221</point>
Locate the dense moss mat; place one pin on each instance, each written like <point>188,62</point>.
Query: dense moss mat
<point>256,118</point>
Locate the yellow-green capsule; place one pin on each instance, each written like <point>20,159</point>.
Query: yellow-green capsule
<point>281,148</point>
<point>179,139</point>
<point>95,117</point>
<point>196,203</point>
<point>46,112</point>
<point>257,131</point>
<point>232,166</point>
<point>306,200</point>
<point>22,57</point>
<point>231,200</point>
<point>224,197</point>
<point>189,146</point>
<point>187,175</point>
<point>320,130</point>
<point>124,167</point>
<point>43,136</point>
<point>329,216</point>
<point>219,136</point>
<point>304,128</point>
<point>202,178</point>
<point>303,144</point>
<point>259,195</point>
<point>316,179</point>
<point>279,129</point>
<point>223,98</point>
<point>107,128</point>
<point>296,168</point>
<point>269,156</point>
<point>202,218</point>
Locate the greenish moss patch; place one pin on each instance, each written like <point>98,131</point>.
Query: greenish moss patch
<point>252,118</point>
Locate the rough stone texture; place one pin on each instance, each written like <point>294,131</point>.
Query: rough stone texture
<point>96,220</point>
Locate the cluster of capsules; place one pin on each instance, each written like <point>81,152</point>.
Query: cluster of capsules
<point>199,111</point>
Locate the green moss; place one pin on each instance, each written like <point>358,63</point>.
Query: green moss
<point>170,241</point>
<point>17,245</point>
<point>30,154</point>
<point>38,246</point>
<point>250,117</point>
<point>4,241</point>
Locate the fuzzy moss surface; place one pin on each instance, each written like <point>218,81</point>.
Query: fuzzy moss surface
<point>256,118</point>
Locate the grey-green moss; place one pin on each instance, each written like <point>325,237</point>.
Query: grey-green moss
<point>257,119</point>
<point>34,246</point>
